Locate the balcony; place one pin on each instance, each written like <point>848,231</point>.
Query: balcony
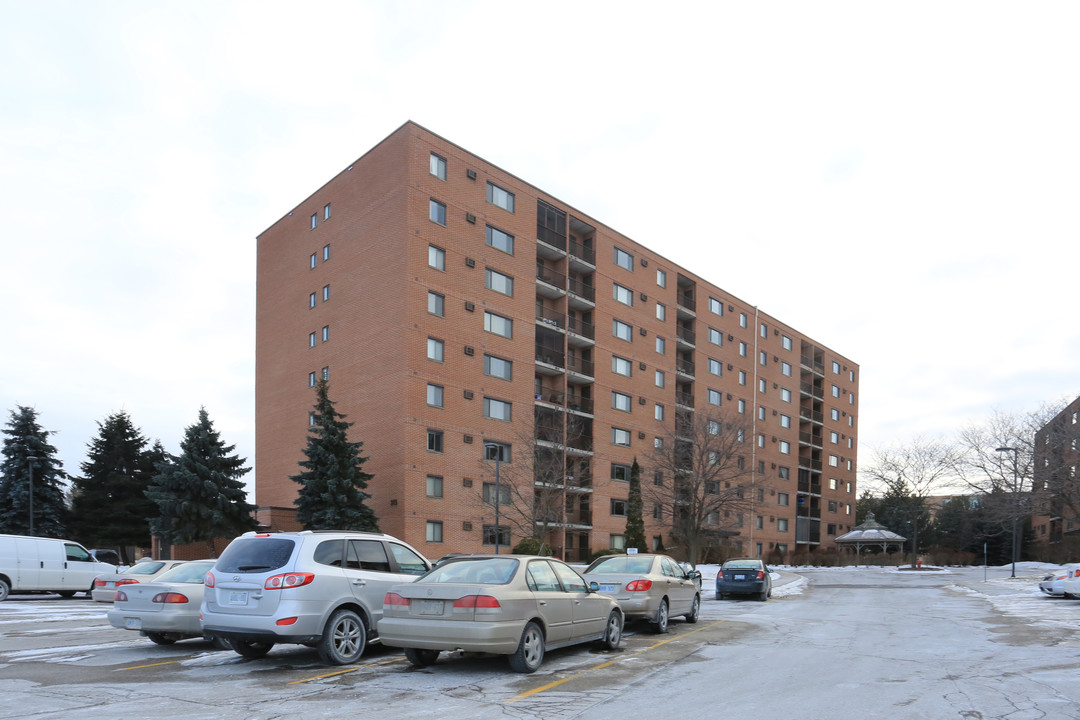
<point>815,416</point>
<point>811,439</point>
<point>582,252</point>
<point>550,434</point>
<point>582,334</point>
<point>685,336</point>
<point>684,399</point>
<point>813,365</point>
<point>810,488</point>
<point>685,368</point>
<point>812,390</point>
<point>551,238</point>
<point>548,394</point>
<point>581,366</point>
<point>686,300</point>
<point>570,483</point>
<point>579,403</point>
<point>551,359</point>
<point>582,294</point>
<point>551,318</point>
<point>549,283</point>
<point>807,530</point>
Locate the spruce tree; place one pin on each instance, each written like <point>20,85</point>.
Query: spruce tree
<point>635,523</point>
<point>333,482</point>
<point>109,503</point>
<point>198,494</point>
<point>26,444</point>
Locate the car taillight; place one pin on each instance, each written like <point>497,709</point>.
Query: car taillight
<point>477,601</point>
<point>393,598</point>
<point>169,597</point>
<point>121,596</point>
<point>208,581</point>
<point>288,580</point>
<point>639,585</point>
<point>760,574</point>
<point>125,582</point>
<point>98,582</point>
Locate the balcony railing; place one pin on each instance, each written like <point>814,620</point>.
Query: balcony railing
<point>551,277</point>
<point>686,300</point>
<point>580,403</point>
<point>811,488</point>
<point>580,327</point>
<point>585,252</point>
<point>551,237</point>
<point>809,362</point>
<point>550,354</point>
<point>812,390</point>
<point>685,366</point>
<point>685,333</point>
<point>810,439</point>
<point>807,530</point>
<point>811,415</point>
<point>554,318</point>
<point>582,289</point>
<point>685,399</point>
<point>580,366</point>
<point>549,394</point>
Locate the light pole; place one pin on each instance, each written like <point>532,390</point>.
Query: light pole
<point>494,452</point>
<point>30,460</point>
<point>1016,500</point>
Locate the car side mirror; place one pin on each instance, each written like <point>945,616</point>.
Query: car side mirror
<point>594,586</point>
<point>694,574</point>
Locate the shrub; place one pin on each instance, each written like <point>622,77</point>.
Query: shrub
<point>532,546</point>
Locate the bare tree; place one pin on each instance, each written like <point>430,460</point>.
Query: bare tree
<point>705,484</point>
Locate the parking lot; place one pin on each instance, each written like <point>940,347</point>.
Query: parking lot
<point>830,644</point>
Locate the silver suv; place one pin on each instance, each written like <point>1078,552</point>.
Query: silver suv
<point>318,588</point>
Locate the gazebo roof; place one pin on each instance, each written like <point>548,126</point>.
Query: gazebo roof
<point>871,532</point>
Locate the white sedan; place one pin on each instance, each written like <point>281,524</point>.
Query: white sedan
<point>105,586</point>
<point>167,609</point>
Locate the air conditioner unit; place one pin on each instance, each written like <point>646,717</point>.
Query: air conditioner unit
<point>466,482</point>
<point>468,394</point>
<point>471,174</point>
<point>470,218</point>
<point>644,297</point>
<point>469,262</point>
<point>469,306</point>
<point>466,526</point>
<point>644,262</point>
<point>470,351</point>
<point>730,337</point>
<point>641,365</point>
<point>641,401</point>
<point>774,413</point>
<point>641,436</point>
<point>643,331</point>
<point>468,441</point>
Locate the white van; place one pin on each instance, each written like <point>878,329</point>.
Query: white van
<point>34,564</point>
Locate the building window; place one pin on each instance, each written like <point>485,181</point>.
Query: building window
<point>661,345</point>
<point>325,293</point>
<point>658,412</point>
<point>618,507</point>
<point>623,294</point>
<point>660,379</point>
<point>314,260</point>
<point>499,240</point>
<point>783,499</point>
<point>742,349</point>
<point>311,340</point>
<point>785,447</point>
<point>326,211</point>
<point>434,486</point>
<point>621,366</point>
<point>661,278</point>
<point>715,368</point>
<point>311,379</point>
<point>714,397</point>
<point>658,443</point>
<point>497,409</point>
<point>834,461</point>
<point>762,385</point>
<point>498,325</point>
<point>624,259</point>
<point>314,220</point>
<point>434,395</point>
<point>620,472</point>
<point>490,536</point>
<point>620,437</point>
<point>781,525</point>
<point>783,473</point>
<point>489,493</point>
<point>785,368</point>
<point>498,367</point>
<point>497,451</point>
<point>785,395</point>
<point>435,440</point>
<point>834,438</point>
<point>326,333</point>
<point>435,349</point>
<point>742,320</point>
<point>832,506</point>
<point>658,511</point>
<point>618,542</point>
<point>661,312</point>
<point>716,337</point>
<point>495,280</point>
<point>742,407</point>
<point>620,401</point>
<point>785,421</point>
<point>622,330</point>
<point>312,299</point>
<point>437,166</point>
<point>436,303</point>
<point>436,212</point>
<point>434,531</point>
<point>785,342</point>
<point>763,358</point>
<point>497,196</point>
<point>658,478</point>
<point>436,258</point>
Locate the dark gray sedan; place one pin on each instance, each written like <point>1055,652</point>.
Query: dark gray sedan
<point>744,576</point>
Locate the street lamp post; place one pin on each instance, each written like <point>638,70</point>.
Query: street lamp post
<point>30,466</point>
<point>494,452</point>
<point>1016,500</point>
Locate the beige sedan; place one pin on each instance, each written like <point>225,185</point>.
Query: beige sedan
<point>105,585</point>
<point>514,605</point>
<point>652,587</point>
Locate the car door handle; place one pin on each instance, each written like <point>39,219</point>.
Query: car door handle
<point>541,602</point>
<point>358,582</point>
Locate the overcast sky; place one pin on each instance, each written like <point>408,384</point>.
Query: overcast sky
<point>900,181</point>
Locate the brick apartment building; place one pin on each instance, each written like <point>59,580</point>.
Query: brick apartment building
<point>1056,523</point>
<point>456,310</point>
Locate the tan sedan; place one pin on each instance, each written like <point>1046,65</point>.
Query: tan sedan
<point>514,605</point>
<point>653,587</point>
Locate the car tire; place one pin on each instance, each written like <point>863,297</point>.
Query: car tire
<point>613,631</point>
<point>695,610</point>
<point>220,643</point>
<point>344,638</point>
<point>660,622</point>
<point>530,650</point>
<point>251,649</point>
<point>420,657</point>
<point>66,593</point>
<point>763,595</point>
<point>719,596</point>
<point>161,638</point>
<point>5,590</point>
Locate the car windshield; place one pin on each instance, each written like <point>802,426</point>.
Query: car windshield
<point>479,571</point>
<point>145,568</point>
<point>621,564</point>
<point>742,565</point>
<point>190,572</point>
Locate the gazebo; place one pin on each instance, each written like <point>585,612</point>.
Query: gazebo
<point>871,534</point>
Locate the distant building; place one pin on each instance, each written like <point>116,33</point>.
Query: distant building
<point>450,304</point>
<point>1056,480</point>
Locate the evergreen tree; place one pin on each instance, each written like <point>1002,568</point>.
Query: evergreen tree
<point>332,483</point>
<point>635,523</point>
<point>26,444</point>
<point>109,503</point>
<point>198,494</point>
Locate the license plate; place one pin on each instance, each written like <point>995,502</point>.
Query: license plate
<point>238,598</point>
<point>740,577</point>
<point>431,607</point>
<point>607,588</point>
<point>133,623</point>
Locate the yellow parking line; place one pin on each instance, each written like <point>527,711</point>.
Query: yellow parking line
<point>347,670</point>
<point>549,686</point>
<point>140,667</point>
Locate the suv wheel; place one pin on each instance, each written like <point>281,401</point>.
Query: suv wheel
<point>344,638</point>
<point>420,657</point>
<point>250,649</point>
